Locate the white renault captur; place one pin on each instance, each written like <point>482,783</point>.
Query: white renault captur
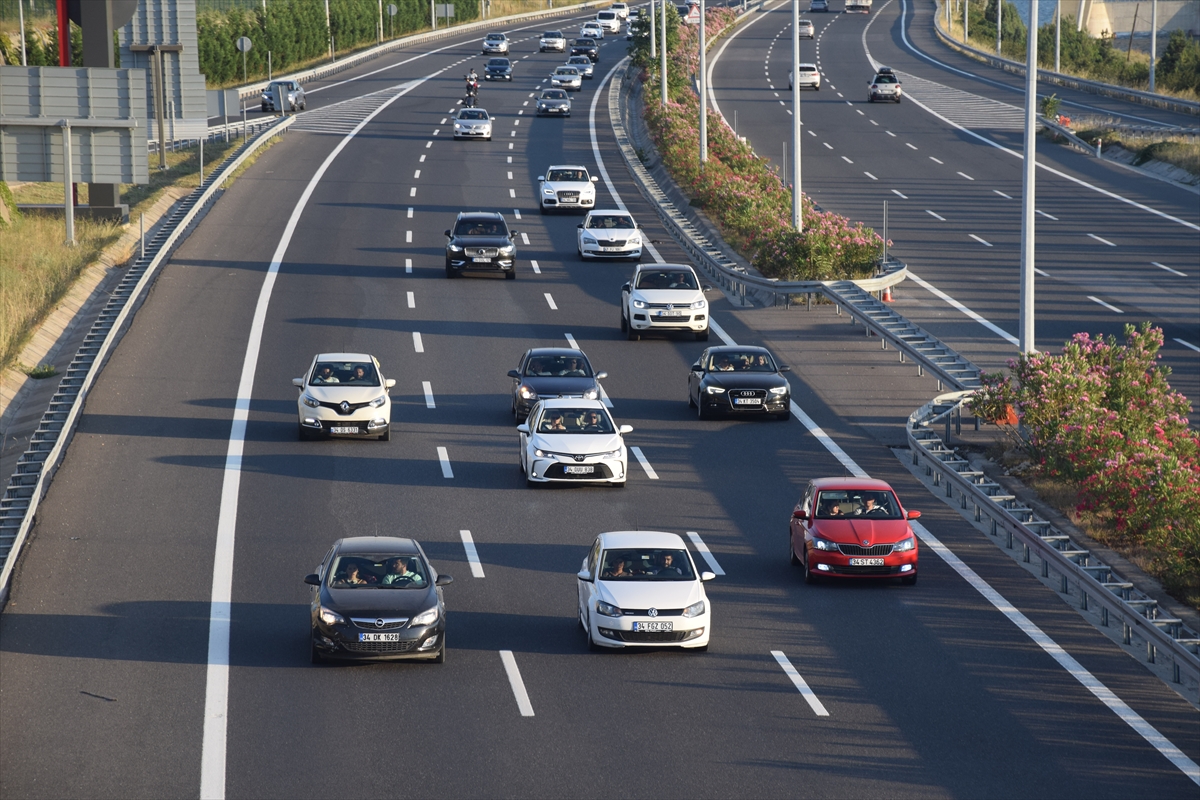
<point>568,187</point>
<point>642,589</point>
<point>664,297</point>
<point>344,394</point>
<point>573,440</point>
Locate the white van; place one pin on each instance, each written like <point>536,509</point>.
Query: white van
<point>609,21</point>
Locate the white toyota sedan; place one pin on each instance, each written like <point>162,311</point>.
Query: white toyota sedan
<point>567,187</point>
<point>344,394</point>
<point>573,440</point>
<point>642,589</point>
<point>608,234</point>
<point>664,297</point>
<point>591,30</point>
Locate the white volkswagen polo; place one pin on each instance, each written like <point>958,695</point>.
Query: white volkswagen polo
<point>344,394</point>
<point>642,589</point>
<point>573,440</point>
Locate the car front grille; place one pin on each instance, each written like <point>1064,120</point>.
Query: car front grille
<point>761,394</point>
<point>611,242</point>
<point>645,612</point>
<point>568,197</point>
<point>368,624</point>
<point>858,550</point>
<point>350,407</point>
<point>646,637</point>
<point>839,570</point>
<point>481,252</point>
<point>381,647</point>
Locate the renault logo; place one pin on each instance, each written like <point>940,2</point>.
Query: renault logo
<point>345,407</point>
<point>379,623</point>
<point>652,612</point>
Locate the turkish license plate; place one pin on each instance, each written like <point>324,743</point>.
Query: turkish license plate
<point>670,314</point>
<point>747,401</point>
<point>659,627</point>
<point>866,562</point>
<point>611,249</point>
<point>379,637</point>
<point>343,429</point>
<point>481,260</point>
<point>588,469</point>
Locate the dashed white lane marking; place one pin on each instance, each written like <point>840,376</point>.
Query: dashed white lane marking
<point>550,301</point>
<point>444,458</point>
<point>848,161</point>
<point>510,145</point>
<point>859,110</point>
<point>873,122</point>
<point>997,191</point>
<point>938,217</point>
<point>1188,345</point>
<point>839,94</point>
<point>408,265</point>
<point>512,133</point>
<point>1101,241</point>
<point>1168,269</point>
<point>408,237</point>
<point>934,160</point>
<point>536,269</point>
<point>443,122</point>
<point>968,177</point>
<point>517,213</point>
<point>705,553</point>
<point>410,212</point>
<point>812,133</point>
<point>1041,272</point>
<point>418,345</point>
<point>650,473</point>
<point>827,144</point>
<point>412,192</point>
<point>428,389</point>
<point>981,241</point>
<point>518,686</point>
<point>436,131</point>
<point>889,133</point>
<point>899,194</point>
<point>472,554</point>
<point>913,146</point>
<point>412,300</point>
<point>524,237</point>
<point>512,193</point>
<point>807,693</point>
<point>510,176</point>
<point>516,122</point>
<point>869,175</point>
<point>1047,216</point>
<point>1106,305</point>
<point>417,174</point>
<point>428,145</point>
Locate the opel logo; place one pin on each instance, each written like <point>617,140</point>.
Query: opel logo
<point>866,542</point>
<point>345,406</point>
<point>652,612</point>
<point>379,623</point>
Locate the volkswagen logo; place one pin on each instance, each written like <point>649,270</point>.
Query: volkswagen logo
<point>345,407</point>
<point>379,623</point>
<point>670,307</point>
<point>866,542</point>
<point>652,612</point>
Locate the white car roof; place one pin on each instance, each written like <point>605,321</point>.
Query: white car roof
<point>571,402</point>
<point>656,539</point>
<point>345,357</point>
<point>648,266</point>
<point>598,211</point>
<point>566,166</point>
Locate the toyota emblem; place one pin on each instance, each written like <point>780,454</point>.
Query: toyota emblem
<point>379,623</point>
<point>652,612</point>
<point>580,458</point>
<point>345,407</point>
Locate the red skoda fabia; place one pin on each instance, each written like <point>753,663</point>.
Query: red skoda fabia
<point>852,528</point>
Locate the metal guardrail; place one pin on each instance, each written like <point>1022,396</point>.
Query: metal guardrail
<point>1096,583</point>
<point>37,465</point>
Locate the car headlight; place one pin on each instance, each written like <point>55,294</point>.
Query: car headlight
<point>549,192</point>
<point>699,304</point>
<point>379,401</point>
<point>591,394</point>
<point>611,454</point>
<point>607,609</point>
<point>588,239</point>
<point>904,545</point>
<point>634,240</point>
<point>714,390</point>
<point>455,248</point>
<point>638,303</point>
<point>508,250</point>
<point>310,401</point>
<point>427,617</point>
<point>331,617</point>
<point>824,544</point>
<point>779,390</point>
<point>694,610</point>
<point>541,453</point>
<point>527,393</point>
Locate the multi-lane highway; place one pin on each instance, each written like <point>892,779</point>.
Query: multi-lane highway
<point>186,500</point>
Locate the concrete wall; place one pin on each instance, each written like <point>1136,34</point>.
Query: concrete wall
<point>1116,16</point>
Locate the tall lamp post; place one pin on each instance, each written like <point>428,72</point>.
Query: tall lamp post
<point>1028,179</point>
<point>703,94</point>
<point>653,33</point>
<point>662,51</point>
<point>797,210</point>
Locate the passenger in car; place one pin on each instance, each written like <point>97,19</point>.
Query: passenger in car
<point>573,369</point>
<point>325,375</point>
<point>553,423</point>
<point>353,577</point>
<point>617,570</point>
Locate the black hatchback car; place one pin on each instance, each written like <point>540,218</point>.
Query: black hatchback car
<point>377,597</point>
<point>498,69</point>
<point>586,47</point>
<point>739,380</point>
<point>481,242</point>
<point>552,372</point>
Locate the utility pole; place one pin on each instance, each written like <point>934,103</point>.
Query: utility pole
<point>1000,22</point>
<point>329,30</point>
<point>966,20</point>
<point>21,22</point>
<point>703,94</point>
<point>797,210</point>
<point>1028,181</point>
<point>663,52</point>
<point>1153,40</point>
<point>1058,35</point>
<point>653,43</point>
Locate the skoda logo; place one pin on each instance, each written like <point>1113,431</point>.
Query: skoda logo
<point>345,407</point>
<point>866,542</point>
<point>652,612</point>
<point>379,623</point>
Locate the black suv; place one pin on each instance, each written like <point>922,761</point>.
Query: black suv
<point>586,47</point>
<point>498,69</point>
<point>481,241</point>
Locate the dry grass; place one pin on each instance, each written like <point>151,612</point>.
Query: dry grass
<point>1179,151</point>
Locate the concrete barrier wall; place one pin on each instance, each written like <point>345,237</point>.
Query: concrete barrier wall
<point>1116,16</point>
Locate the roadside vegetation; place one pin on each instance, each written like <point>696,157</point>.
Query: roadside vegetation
<point>1179,151</point>
<point>1100,430</point>
<point>736,188</point>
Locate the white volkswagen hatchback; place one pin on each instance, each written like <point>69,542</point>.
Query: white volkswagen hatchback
<point>573,440</point>
<point>344,394</point>
<point>664,297</point>
<point>608,234</point>
<point>642,589</point>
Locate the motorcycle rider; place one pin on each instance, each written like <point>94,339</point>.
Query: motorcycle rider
<point>472,88</point>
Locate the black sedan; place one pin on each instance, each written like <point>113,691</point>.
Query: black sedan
<point>377,597</point>
<point>586,47</point>
<point>552,372</point>
<point>498,69</point>
<point>481,241</point>
<point>739,380</point>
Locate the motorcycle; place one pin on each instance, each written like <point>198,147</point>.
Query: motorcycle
<point>472,91</point>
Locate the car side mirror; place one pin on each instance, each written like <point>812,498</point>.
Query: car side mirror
<point>512,373</point>
<point>708,576</point>
<point>389,383</point>
<point>706,288</point>
<point>601,376</point>
<point>584,575</point>
<point>799,513</point>
<point>298,383</point>
<point>523,427</point>
<point>639,226</point>
<point>541,177</point>
<point>513,234</point>
<point>443,580</point>
<point>448,233</point>
<point>625,429</point>
<point>625,288</point>
<point>914,515</point>
<point>785,368</point>
<point>313,579</point>
<point>696,367</point>
<point>595,179</point>
<point>580,225</point>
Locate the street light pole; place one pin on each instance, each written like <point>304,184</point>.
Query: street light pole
<point>653,33</point>
<point>1058,34</point>
<point>1153,39</point>
<point>1028,180</point>
<point>703,94</point>
<point>662,52</point>
<point>1000,22</point>
<point>797,210</point>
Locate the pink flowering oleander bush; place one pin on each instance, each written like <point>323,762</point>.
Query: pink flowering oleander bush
<point>749,203</point>
<point>1102,417</point>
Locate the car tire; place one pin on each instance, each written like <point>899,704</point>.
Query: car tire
<point>792,559</point>
<point>544,210</point>
<point>702,336</point>
<point>632,335</point>
<point>691,402</point>
<point>304,105</point>
<point>897,99</point>
<point>810,577</point>
<point>450,273</point>
<point>909,580</point>
<point>701,413</point>
<point>591,643</point>
<point>532,484</point>
<point>624,324</point>
<point>440,658</point>
<point>264,109</point>
<point>701,649</point>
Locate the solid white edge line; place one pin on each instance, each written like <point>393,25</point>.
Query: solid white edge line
<point>418,345</point>
<point>719,331</point>
<point>428,389</point>
<point>821,436</point>
<point>1106,305</point>
<point>518,685</point>
<point>702,548</point>
<point>996,329</point>
<point>801,685</point>
<point>472,554</point>
<point>650,473</point>
<point>1188,345</point>
<point>444,459</point>
<point>214,740</point>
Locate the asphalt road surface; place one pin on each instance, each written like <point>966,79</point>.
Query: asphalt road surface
<point>171,514</point>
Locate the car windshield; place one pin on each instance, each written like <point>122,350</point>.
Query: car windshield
<point>480,227</point>
<point>582,60</point>
<point>567,176</point>
<point>584,43</point>
<point>285,85</point>
<point>558,366</point>
<point>576,420</point>
<point>472,113</point>
<point>554,94</point>
<point>498,62</point>
<point>568,71</point>
<point>606,15</point>
<point>495,37</point>
<point>885,79</point>
<point>552,35</point>
<point>855,503</point>
<point>354,373</point>
<point>740,361</point>
<point>666,279</point>
<point>378,571</point>
<point>646,564</point>
<point>609,221</point>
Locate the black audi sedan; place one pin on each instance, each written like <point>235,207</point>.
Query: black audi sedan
<point>586,47</point>
<point>739,380</point>
<point>377,597</point>
<point>498,69</point>
<point>481,242</point>
<point>552,372</point>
